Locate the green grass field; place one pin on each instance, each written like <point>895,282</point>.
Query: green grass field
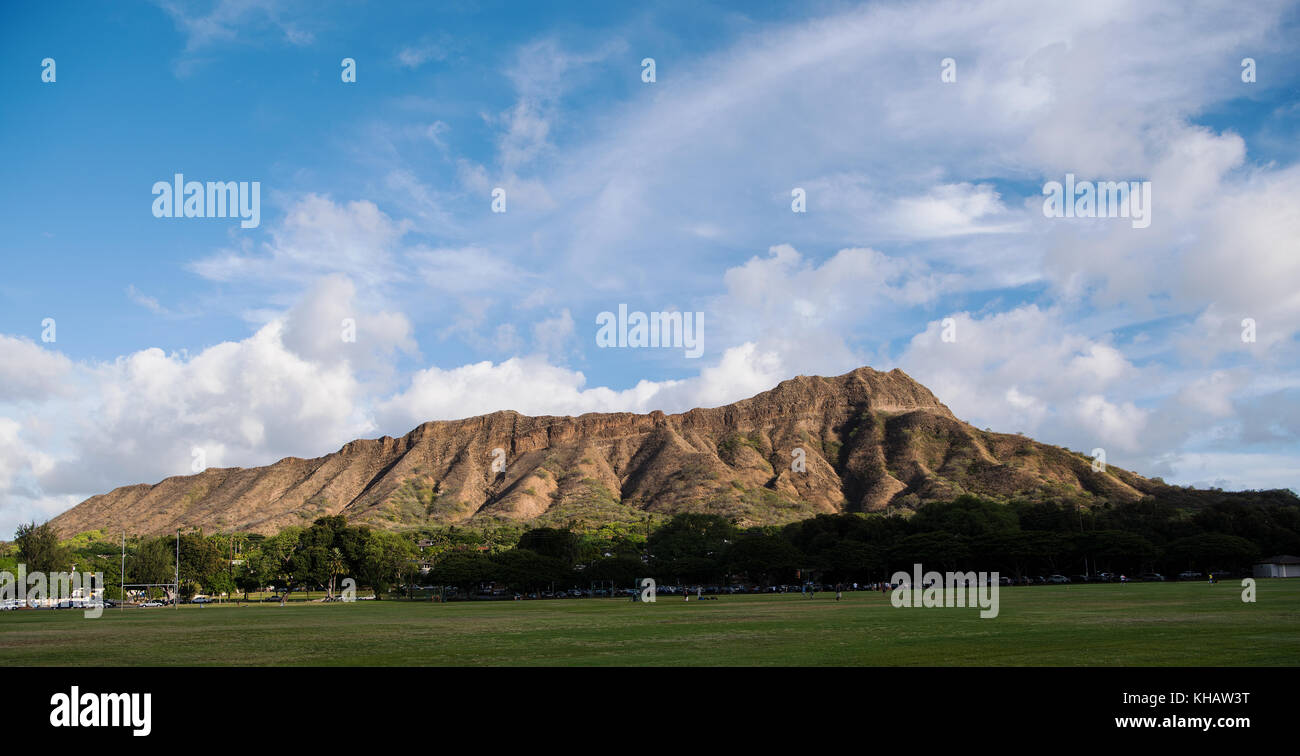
<point>1152,624</point>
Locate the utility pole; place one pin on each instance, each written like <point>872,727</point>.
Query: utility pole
<point>121,582</point>
<point>176,598</point>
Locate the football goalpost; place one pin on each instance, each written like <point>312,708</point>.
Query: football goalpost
<point>174,586</point>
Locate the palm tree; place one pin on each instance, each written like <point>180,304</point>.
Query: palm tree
<point>337,566</point>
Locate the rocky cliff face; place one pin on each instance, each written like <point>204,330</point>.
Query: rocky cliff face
<point>863,441</point>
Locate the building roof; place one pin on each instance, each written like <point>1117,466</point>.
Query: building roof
<point>1281,559</point>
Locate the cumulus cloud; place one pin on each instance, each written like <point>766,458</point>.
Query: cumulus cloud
<point>239,402</point>
<point>28,371</point>
<point>805,311</point>
<point>327,326</point>
<point>1025,370</point>
<point>293,388</point>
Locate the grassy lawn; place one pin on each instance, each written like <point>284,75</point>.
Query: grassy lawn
<point>1107,625</point>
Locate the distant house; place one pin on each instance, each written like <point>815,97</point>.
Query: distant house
<point>1282,565</point>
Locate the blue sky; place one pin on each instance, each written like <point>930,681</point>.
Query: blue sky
<point>924,203</point>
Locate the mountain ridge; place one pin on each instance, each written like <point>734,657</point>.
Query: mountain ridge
<point>868,441</point>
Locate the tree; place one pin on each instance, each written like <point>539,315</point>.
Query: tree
<point>463,570</point>
<point>202,560</point>
<point>310,562</point>
<point>352,541</point>
<point>384,557</point>
<point>561,544</point>
<point>936,550</point>
<point>966,515</point>
<point>1114,550</point>
<point>278,563</point>
<point>247,578</point>
<point>524,570</point>
<point>851,561</point>
<point>696,536</point>
<point>154,562</point>
<point>220,583</point>
<point>1209,552</point>
<point>763,557</point>
<point>691,569</point>
<point>338,566</point>
<point>1019,552</point>
<point>39,548</point>
<point>622,570</point>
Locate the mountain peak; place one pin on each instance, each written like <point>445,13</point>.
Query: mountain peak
<point>862,441</point>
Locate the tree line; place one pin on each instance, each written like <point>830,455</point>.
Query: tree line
<point>968,533</point>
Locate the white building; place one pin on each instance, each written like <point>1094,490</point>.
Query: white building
<point>1283,565</point>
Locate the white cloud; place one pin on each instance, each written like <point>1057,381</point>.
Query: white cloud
<point>416,55</point>
<point>953,210</point>
<point>1235,471</point>
<point>464,270</point>
<point>316,237</point>
<point>554,336</point>
<point>328,326</point>
<point>1117,424</point>
<point>1026,371</point>
<point>149,303</point>
<point>293,388</point>
<point>207,25</point>
<point>28,371</point>
<point>529,385</point>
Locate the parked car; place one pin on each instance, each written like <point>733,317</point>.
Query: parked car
<point>151,604</point>
<point>1153,577</point>
<point>1057,579</point>
<point>1190,575</point>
